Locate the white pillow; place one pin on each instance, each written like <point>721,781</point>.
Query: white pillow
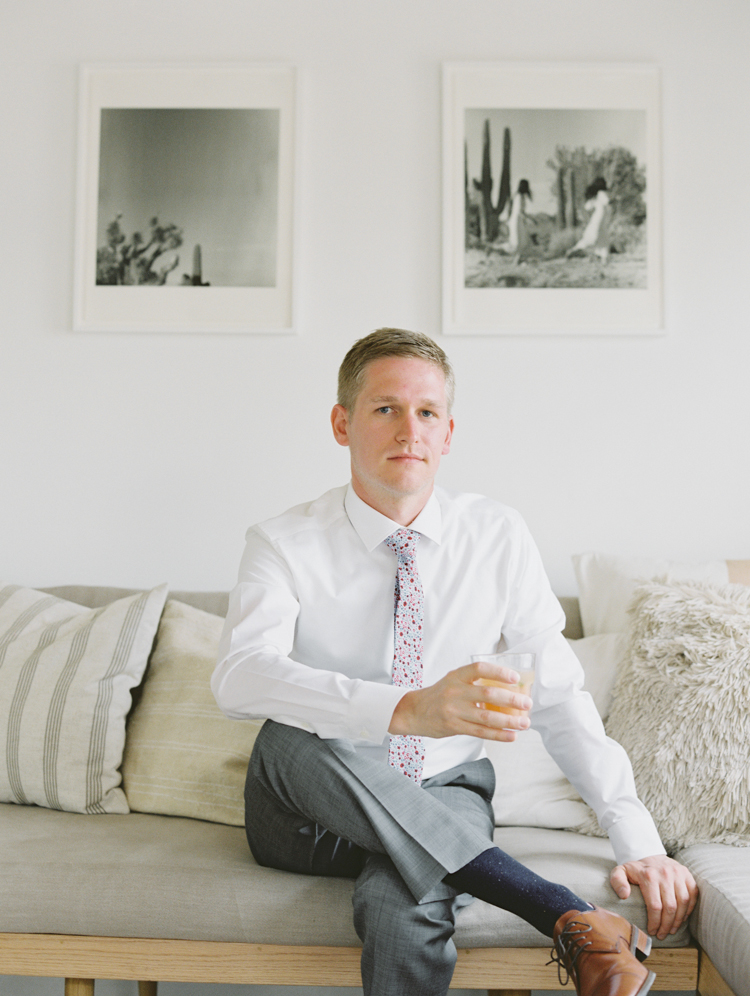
<point>600,657</point>
<point>531,789</point>
<point>67,672</point>
<point>606,584</point>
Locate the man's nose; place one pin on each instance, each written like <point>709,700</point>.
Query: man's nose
<point>408,429</point>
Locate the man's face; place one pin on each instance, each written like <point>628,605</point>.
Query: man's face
<point>397,431</point>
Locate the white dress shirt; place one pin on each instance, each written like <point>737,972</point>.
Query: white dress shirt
<point>308,639</point>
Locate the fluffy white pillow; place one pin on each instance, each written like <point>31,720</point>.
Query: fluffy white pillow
<point>67,672</point>
<point>606,584</point>
<point>531,789</point>
<point>681,712</point>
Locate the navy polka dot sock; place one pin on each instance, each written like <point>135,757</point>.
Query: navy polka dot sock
<point>499,879</point>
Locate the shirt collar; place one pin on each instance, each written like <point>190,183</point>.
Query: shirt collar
<point>373,527</point>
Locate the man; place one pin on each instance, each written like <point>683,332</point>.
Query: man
<point>371,765</point>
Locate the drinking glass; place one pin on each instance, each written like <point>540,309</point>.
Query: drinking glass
<point>524,664</point>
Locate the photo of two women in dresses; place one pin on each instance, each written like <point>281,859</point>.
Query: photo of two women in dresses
<point>555,198</point>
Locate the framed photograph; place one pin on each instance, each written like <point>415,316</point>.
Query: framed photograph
<point>551,199</point>
<point>185,206</point>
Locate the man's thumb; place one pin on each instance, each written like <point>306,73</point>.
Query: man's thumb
<point>620,883</point>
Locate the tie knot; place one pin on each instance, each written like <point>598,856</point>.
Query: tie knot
<point>403,542</point>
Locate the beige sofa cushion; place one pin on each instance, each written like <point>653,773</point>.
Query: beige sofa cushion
<point>721,920</point>
<point>183,757</point>
<point>149,876</point>
<point>67,675</point>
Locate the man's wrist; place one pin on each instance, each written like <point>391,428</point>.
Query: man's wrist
<point>402,720</point>
<point>634,838</point>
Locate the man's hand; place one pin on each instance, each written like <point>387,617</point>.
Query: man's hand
<point>455,705</point>
<point>668,889</point>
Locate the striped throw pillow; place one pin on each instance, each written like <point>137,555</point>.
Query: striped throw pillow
<point>65,678</point>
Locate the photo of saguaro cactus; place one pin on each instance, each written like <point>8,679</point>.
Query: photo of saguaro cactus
<point>555,198</point>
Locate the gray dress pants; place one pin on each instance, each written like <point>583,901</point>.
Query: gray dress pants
<point>317,807</point>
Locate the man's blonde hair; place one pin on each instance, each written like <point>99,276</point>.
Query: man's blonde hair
<point>390,342</point>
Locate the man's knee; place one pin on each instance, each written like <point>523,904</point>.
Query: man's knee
<point>279,835</point>
<point>284,753</point>
<point>278,838</point>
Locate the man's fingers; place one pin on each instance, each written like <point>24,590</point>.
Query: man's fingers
<point>502,698</point>
<point>619,881</point>
<point>687,896</point>
<point>683,907</point>
<point>490,733</point>
<point>649,883</point>
<point>488,724</point>
<point>494,721</point>
<point>679,896</point>
<point>668,921</point>
<point>494,689</point>
<point>490,709</point>
<point>669,891</point>
<point>650,887</point>
<point>495,672</point>
<point>661,903</point>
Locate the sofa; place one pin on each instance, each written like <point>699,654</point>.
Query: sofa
<point>148,876</point>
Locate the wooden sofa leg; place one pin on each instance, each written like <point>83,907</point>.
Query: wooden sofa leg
<point>508,992</point>
<point>79,987</point>
<point>147,988</point>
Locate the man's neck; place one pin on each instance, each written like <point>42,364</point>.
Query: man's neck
<point>400,508</point>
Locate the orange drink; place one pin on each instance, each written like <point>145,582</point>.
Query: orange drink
<point>522,664</point>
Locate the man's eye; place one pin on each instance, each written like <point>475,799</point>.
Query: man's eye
<point>428,413</point>
<point>385,409</point>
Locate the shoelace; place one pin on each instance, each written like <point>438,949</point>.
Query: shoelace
<point>573,934</point>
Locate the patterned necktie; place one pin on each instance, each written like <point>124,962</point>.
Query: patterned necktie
<point>406,754</point>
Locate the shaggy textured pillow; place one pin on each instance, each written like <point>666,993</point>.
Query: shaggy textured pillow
<point>681,709</point>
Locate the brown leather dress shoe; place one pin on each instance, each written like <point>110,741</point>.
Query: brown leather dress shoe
<point>599,951</point>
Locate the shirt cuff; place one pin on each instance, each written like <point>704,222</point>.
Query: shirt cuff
<point>371,711</point>
<point>635,837</point>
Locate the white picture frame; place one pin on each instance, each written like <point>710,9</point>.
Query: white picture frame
<point>209,152</point>
<point>490,285</point>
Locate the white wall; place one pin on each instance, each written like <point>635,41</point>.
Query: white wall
<point>132,459</point>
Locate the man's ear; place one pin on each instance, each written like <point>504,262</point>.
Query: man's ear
<point>340,425</point>
<point>447,443</point>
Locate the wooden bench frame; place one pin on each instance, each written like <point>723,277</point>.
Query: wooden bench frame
<point>501,971</point>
